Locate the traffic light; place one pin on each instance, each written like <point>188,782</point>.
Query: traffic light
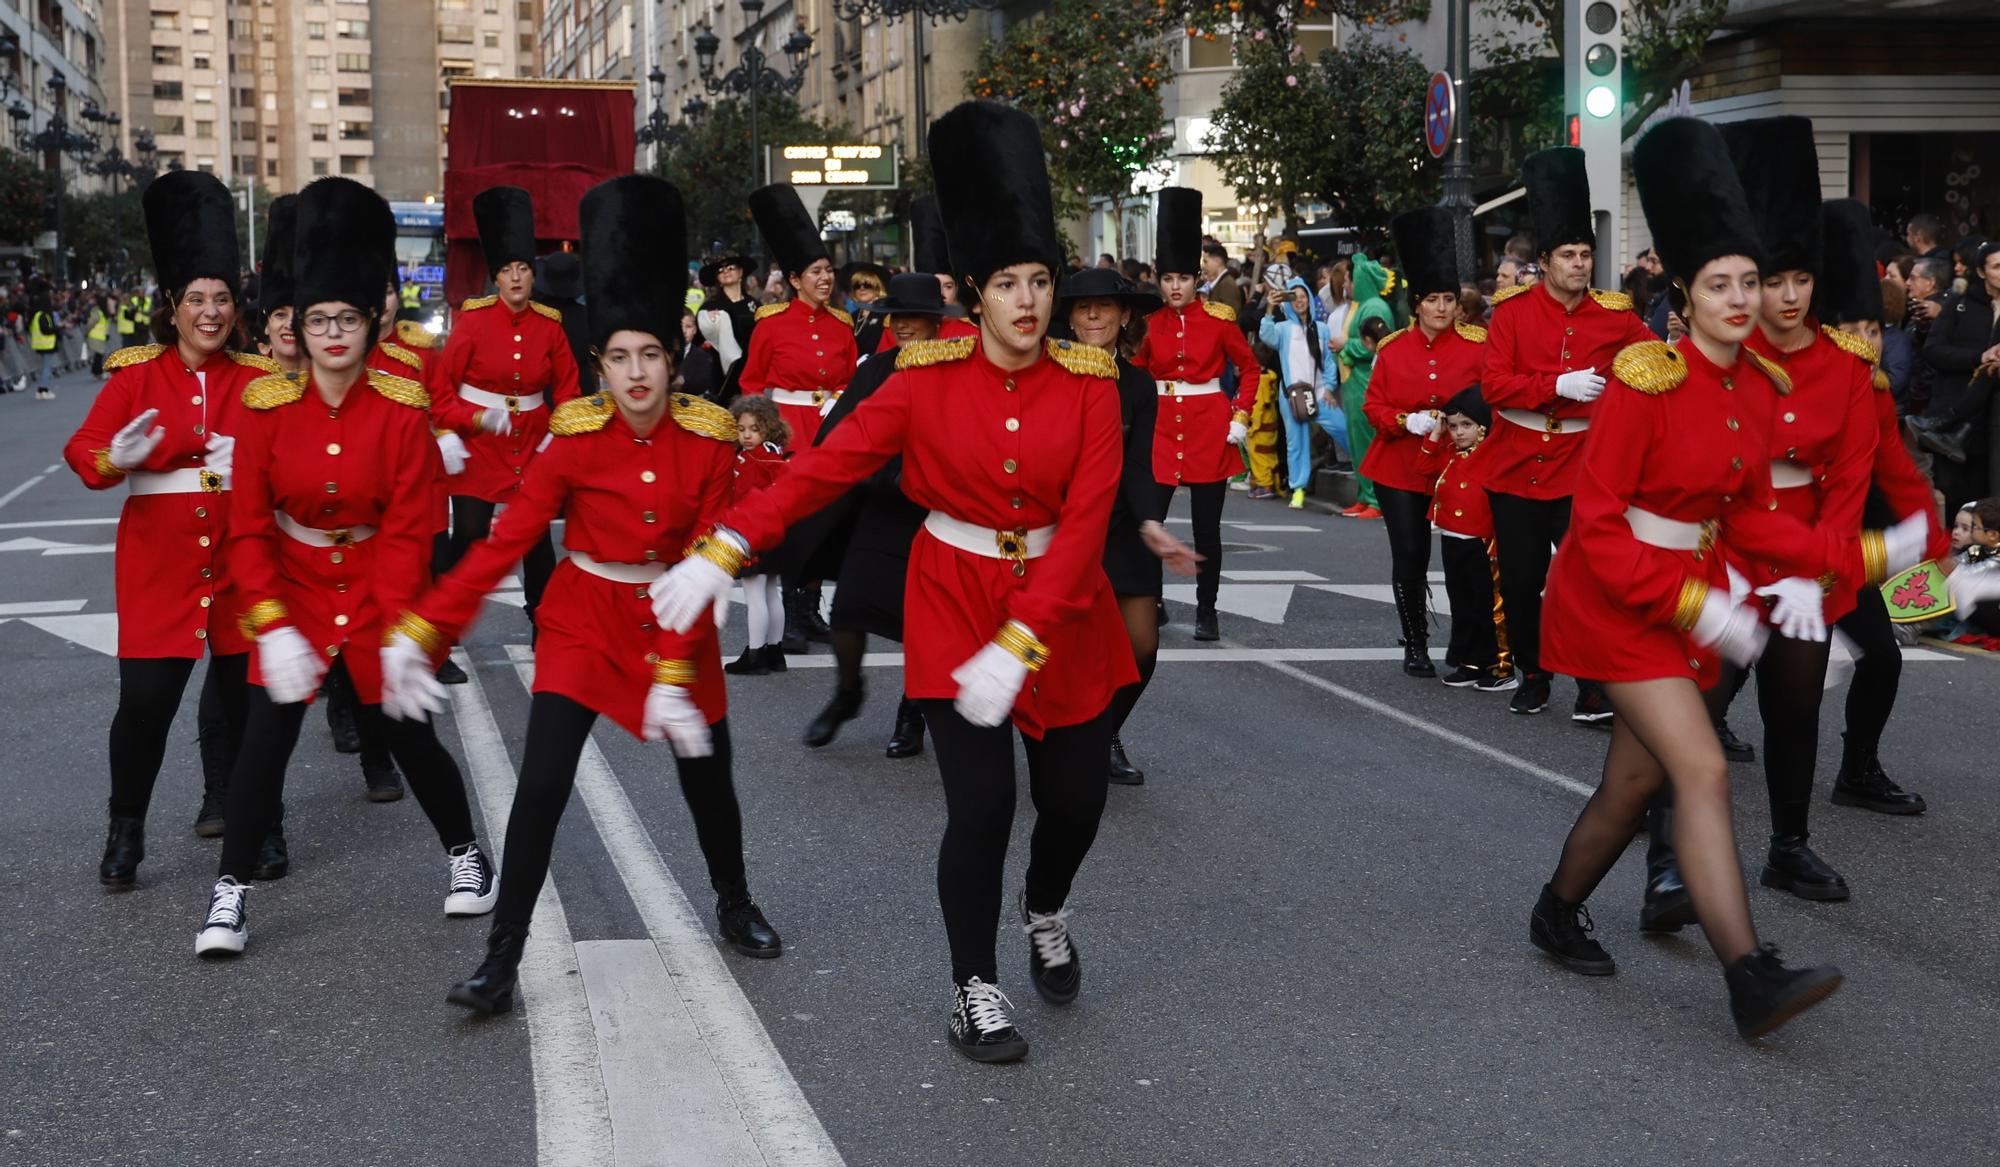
<point>1594,101</point>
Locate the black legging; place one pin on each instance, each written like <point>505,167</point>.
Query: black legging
<point>1791,676</point>
<point>1524,532</point>
<point>1205,499</point>
<point>1143,629</point>
<point>258,784</point>
<point>1406,515</point>
<point>471,520</point>
<point>1468,582</point>
<point>1871,693</point>
<point>1067,776</point>
<point>149,694</point>
<point>557,730</point>
<point>218,719</point>
<point>341,700</point>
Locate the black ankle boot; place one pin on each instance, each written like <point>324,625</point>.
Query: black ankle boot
<point>1947,443</point>
<point>490,989</point>
<point>1411,604</point>
<point>774,658</point>
<point>217,759</point>
<point>753,663</point>
<point>1206,627</point>
<point>907,741</point>
<point>744,927</point>
<point>1792,866</point>
<point>1863,783</point>
<point>274,861</point>
<point>1562,930</point>
<point>845,705</point>
<point>1123,772</point>
<point>811,622</point>
<point>124,847</point>
<point>1764,994</point>
<point>340,719</point>
<point>794,641</point>
<point>384,781</point>
<point>1667,907</point>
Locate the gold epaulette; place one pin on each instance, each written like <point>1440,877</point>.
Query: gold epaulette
<point>1774,371</point>
<point>1881,379</point>
<point>840,315</point>
<point>770,310</point>
<point>1219,311</point>
<point>1085,360</point>
<point>706,418</point>
<point>478,302</point>
<point>402,354</point>
<point>137,354</point>
<point>1384,342</point>
<point>554,314</point>
<point>1616,301</point>
<point>415,335</point>
<point>272,390</point>
<point>1849,343</point>
<point>581,415</point>
<point>254,360</point>
<point>1476,333</point>
<point>918,353</point>
<point>400,390</point>
<point>1505,294</point>
<point>1650,367</point>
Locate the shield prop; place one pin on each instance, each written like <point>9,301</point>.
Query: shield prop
<point>1918,594</point>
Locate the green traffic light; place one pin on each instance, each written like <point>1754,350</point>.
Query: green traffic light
<point>1600,102</point>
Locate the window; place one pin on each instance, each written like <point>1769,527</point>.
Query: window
<point>268,66</point>
<point>205,165</point>
<point>315,30</point>
<point>316,64</point>
<point>1203,53</point>
<point>201,60</point>
<point>204,128</point>
<point>353,164</point>
<point>239,30</point>
<point>166,55</point>
<point>246,166</point>
<point>493,7</point>
<point>527,43</point>
<point>350,96</point>
<point>492,40</point>
<point>351,62</point>
<point>267,32</point>
<point>356,131</point>
<point>1315,41</point>
<point>353,28</point>
<point>319,132</point>
<point>246,99</point>
<point>319,167</point>
<point>199,24</point>
<point>169,125</point>
<point>166,21</point>
<point>454,34</point>
<point>166,91</point>
<point>318,101</point>
<point>205,93</point>
<point>270,135</point>
<point>270,168</point>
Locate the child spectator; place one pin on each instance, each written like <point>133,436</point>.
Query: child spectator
<point>1261,450</point>
<point>1478,651</point>
<point>761,436</point>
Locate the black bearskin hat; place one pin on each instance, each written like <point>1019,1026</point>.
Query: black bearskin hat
<point>191,225</point>
<point>560,275</point>
<point>783,222</point>
<point>506,218</point>
<point>1470,402</point>
<point>1693,202</point>
<point>346,247</point>
<point>1558,198</point>
<point>1779,168</point>
<point>280,234</point>
<point>635,270</point>
<point>1177,231</point>
<point>993,192</point>
<point>929,252</point>
<point>1849,290</point>
<point>1429,251</point>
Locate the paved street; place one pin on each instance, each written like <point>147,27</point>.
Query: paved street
<point>1304,937</point>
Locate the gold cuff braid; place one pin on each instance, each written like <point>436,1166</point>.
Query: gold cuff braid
<point>1874,557</point>
<point>417,628</point>
<point>1022,645</point>
<point>1688,606</point>
<point>674,672</point>
<point>101,460</point>
<point>259,616</point>
<point>719,551</point>
<point>1240,416</point>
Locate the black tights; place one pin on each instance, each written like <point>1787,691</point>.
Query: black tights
<point>472,520</point>
<point>1205,500</point>
<point>849,646</point>
<point>1524,532</point>
<point>1791,677</point>
<point>557,730</point>
<point>149,694</point>
<point>1067,773</point>
<point>270,731</point>
<point>1142,625</point>
<point>1871,693</point>
<point>1406,515</point>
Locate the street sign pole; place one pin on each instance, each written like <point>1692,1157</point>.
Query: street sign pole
<point>1458,158</point>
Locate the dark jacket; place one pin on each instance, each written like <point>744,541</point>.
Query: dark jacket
<point>1962,332</point>
<point>701,371</point>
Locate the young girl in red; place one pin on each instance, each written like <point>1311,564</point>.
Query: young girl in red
<point>761,440</point>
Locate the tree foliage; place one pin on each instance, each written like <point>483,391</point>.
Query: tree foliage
<point>105,232</point>
<point>713,170</point>
<point>24,189</point>
<point>1277,18</point>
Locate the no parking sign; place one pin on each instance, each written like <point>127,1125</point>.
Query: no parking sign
<point>1440,113</point>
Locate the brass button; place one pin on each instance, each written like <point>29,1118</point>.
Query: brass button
<point>340,621</point>
<point>340,557</point>
<point>639,592</point>
<point>652,556</point>
<point>333,488</point>
<point>1458,513</point>
<point>333,650</point>
<point>517,356</point>
<point>207,573</point>
<point>201,634</point>
<point>1015,502</point>
<point>207,600</point>
<point>333,413</point>
<point>813,336</point>
<point>1731,423</point>
<point>1729,383</point>
<point>201,512</point>
<point>820,353</point>
<point>1569,332</point>
<point>652,658</point>
<point>1178,455</point>
<point>1434,376</point>
<point>1792,453</point>
<point>1461,486</point>
<point>1728,498</point>
<point>1736,463</point>
<point>648,516</point>
<point>1790,416</point>
<point>333,448</point>
<point>647,476</point>
<point>1013,423</point>
<point>341,588</point>
<point>1693,663</point>
<point>1433,360</point>
<point>195,400</point>
<point>1008,466</point>
<point>203,540</point>
<point>517,338</point>
<point>1010,384</point>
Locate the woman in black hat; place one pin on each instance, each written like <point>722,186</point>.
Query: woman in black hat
<point>1103,309</point>
<point>863,284</point>
<point>722,282</point>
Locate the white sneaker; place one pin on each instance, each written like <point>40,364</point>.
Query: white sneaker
<point>227,929</point>
<point>474,886</point>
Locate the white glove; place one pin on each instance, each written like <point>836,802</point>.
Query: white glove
<point>1581,385</point>
<point>988,684</point>
<point>1972,586</point>
<point>495,420</point>
<point>1238,432</point>
<point>671,716</point>
<point>221,456</point>
<point>1420,424</point>
<point>452,449</point>
<point>689,588</point>
<point>136,443</point>
<point>1800,611</point>
<point>290,668</point>
<point>1904,542</point>
<point>410,688</point>
<point>1731,629</point>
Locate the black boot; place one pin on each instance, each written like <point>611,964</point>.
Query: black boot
<point>744,927</point>
<point>811,622</point>
<point>1205,625</point>
<point>273,860</point>
<point>751,664</point>
<point>1159,613</point>
<point>1794,867</point>
<point>1734,748</point>
<point>216,762</point>
<point>124,847</point>
<point>450,674</point>
<point>1947,443</point>
<point>774,658</point>
<point>1667,907</point>
<point>1764,994</point>
<point>1411,603</point>
<point>340,714</point>
<point>794,642</point>
<point>1562,930</point>
<point>845,705</point>
<point>208,821</point>
<point>490,989</point>
<point>907,741</point>
<point>1123,772</point>
<point>1865,784</point>
<point>385,782</point>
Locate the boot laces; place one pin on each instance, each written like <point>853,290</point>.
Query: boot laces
<point>986,1006</point>
<point>1049,932</point>
<point>468,870</point>
<point>1580,920</point>
<point>225,904</point>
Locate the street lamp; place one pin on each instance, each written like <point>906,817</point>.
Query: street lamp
<point>52,142</point>
<point>658,131</point>
<point>754,75</point>
<point>933,10</point>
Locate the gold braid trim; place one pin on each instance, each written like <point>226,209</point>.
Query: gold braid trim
<point>1849,343</point>
<point>1688,605</point>
<point>1616,301</point>
<point>415,335</point>
<point>417,628</point>
<point>770,310</point>
<point>1781,379</point>
<point>554,314</point>
<point>721,552</point>
<point>920,353</point>
<point>1881,380</point>
<point>478,302</point>
<point>673,672</point>
<point>1472,332</point>
<point>1384,342</point>
<point>272,390</point>
<point>101,461</point>
<point>259,616</point>
<point>706,418</point>
<point>1022,645</point>
<point>137,354</point>
<point>1219,311</point>
<point>581,415</point>
<point>1874,558</point>
<point>1240,415</point>
<point>1085,360</point>
<point>397,351</point>
<point>840,315</point>
<point>1650,367</point>
<point>400,390</point>
<point>256,361</point>
<point>1505,294</point>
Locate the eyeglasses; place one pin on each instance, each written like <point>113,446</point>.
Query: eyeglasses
<point>319,323</point>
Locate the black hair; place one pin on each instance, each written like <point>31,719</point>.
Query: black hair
<point>1374,328</point>
<point>1215,249</point>
<point>1927,225</point>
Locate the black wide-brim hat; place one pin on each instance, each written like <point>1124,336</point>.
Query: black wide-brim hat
<point>1558,189</point>
<point>1177,231</point>
<point>1428,249</point>
<point>1848,288</point>
<point>191,226</point>
<point>993,193</point>
<point>281,232</point>
<point>346,247</point>
<point>506,219</point>
<point>710,275</point>
<point>1103,283</point>
<point>929,250</point>
<point>559,275</point>
<point>634,258</point>
<point>844,277</point>
<point>911,294</point>
<point>787,228</point>
<point>1778,165</point>
<point>1694,203</point>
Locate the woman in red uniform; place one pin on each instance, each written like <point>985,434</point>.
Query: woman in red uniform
<point>507,364</point>
<point>1417,370</point>
<point>801,351</point>
<point>1005,581</point>
<point>329,538</point>
<point>1637,596</point>
<point>1197,431</point>
<point>636,470</point>
<point>165,426</point>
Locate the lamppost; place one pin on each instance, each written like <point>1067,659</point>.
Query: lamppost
<point>931,9</point>
<point>52,142</point>
<point>754,75</point>
<point>658,131</point>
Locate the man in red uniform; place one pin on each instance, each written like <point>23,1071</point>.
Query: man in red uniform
<point>1196,435</point>
<point>1548,348</point>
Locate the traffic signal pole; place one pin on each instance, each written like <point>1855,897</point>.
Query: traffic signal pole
<point>1458,160</point>
<point>1594,95</point>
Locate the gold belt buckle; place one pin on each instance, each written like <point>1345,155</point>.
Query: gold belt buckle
<point>1170,387</point>
<point>513,405</point>
<point>211,482</point>
<point>1708,530</point>
<point>341,536</point>
<point>1014,547</point>
<point>1555,424</point>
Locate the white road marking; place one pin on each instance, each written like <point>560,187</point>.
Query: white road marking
<point>110,522</point>
<point>1272,576</point>
<point>97,632</point>
<point>41,607</point>
<point>20,490</point>
<point>776,1119</point>
<point>1265,603</point>
<point>1384,594</point>
<point>1276,529</point>
<point>83,549</point>
<point>1237,656</point>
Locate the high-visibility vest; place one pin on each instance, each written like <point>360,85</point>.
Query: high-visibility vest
<point>412,296</point>
<point>40,339</point>
<point>126,325</point>
<point>100,325</point>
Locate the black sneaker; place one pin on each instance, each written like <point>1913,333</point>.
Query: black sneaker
<point>227,928</point>
<point>1464,677</point>
<point>1592,708</point>
<point>385,782</point>
<point>1871,789</point>
<point>1734,748</point>
<point>208,821</point>
<point>744,927</point>
<point>1563,930</point>
<point>1054,964</point>
<point>450,674</point>
<point>1205,625</point>
<point>980,1028</point>
<point>1532,696</point>
<point>474,886</point>
<point>274,859</point>
<point>1498,682</point>
<point>1794,867</point>
<point>1764,994</point>
<point>751,664</point>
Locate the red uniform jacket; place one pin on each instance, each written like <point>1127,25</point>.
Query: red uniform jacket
<point>371,462</point>
<point>513,355</point>
<point>1191,434</point>
<point>399,361</point>
<point>804,350</point>
<point>1415,375</point>
<point>1038,447</point>
<point>1530,341</point>
<point>173,591</point>
<point>757,469</point>
<point>949,328</point>
<point>626,500</point>
<point>1458,502</point>
<point>1679,437</point>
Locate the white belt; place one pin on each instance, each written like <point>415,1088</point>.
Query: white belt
<point>1789,475</point>
<point>1542,423</point>
<point>1188,388</point>
<point>625,573</point>
<point>316,537</point>
<point>811,397</point>
<point>520,404</point>
<point>192,480</point>
<point>1671,534</point>
<point>1020,544</point>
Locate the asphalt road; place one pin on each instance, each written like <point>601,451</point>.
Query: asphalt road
<point>1304,937</point>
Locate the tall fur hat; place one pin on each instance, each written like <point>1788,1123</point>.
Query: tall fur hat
<point>1693,201</point>
<point>191,225</point>
<point>1429,251</point>
<point>1559,198</point>
<point>1177,231</point>
<point>635,270</point>
<point>993,193</point>
<point>1779,167</point>
<point>1849,289</point>
<point>506,218</point>
<point>280,236</point>
<point>930,251</point>
<point>786,227</point>
<point>346,246</point>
